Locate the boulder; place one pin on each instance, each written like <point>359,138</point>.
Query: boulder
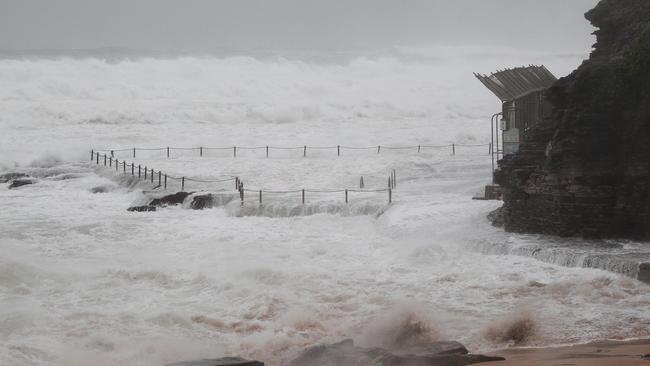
<point>224,361</point>
<point>200,202</point>
<point>145,208</point>
<point>172,199</point>
<point>7,177</point>
<point>21,182</point>
<point>345,353</point>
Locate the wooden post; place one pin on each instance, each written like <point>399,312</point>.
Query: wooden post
<point>378,149</point>
<point>346,196</point>
<point>134,152</point>
<point>165,181</point>
<point>338,150</point>
<point>104,159</point>
<point>97,158</point>
<point>303,196</point>
<point>267,151</point>
<point>183,184</point>
<point>92,155</point>
<point>132,169</point>
<point>123,166</point>
<point>390,195</point>
<point>152,174</point>
<point>390,183</point>
<point>304,151</point>
<point>139,171</point>
<point>241,193</point>
<point>159,178</point>
<point>453,149</point>
<point>236,182</point>
<point>167,152</point>
<point>110,161</point>
<point>418,148</point>
<point>117,165</point>
<point>201,151</point>
<point>234,151</point>
<point>260,197</point>
<point>145,172</point>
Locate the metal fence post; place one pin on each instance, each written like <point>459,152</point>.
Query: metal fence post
<point>390,195</point>
<point>260,197</point>
<point>134,152</point>
<point>139,171</point>
<point>159,178</point>
<point>92,155</point>
<point>201,151</point>
<point>165,181</point>
<point>338,150</point>
<point>453,149</point>
<point>167,152</point>
<point>183,184</point>
<point>303,196</point>
<point>346,196</point>
<point>234,151</point>
<point>152,175</point>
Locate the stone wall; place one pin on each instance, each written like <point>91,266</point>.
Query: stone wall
<point>586,170</point>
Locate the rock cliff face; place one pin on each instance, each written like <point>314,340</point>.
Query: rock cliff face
<point>586,171</point>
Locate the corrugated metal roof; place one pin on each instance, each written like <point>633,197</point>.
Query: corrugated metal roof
<point>510,84</point>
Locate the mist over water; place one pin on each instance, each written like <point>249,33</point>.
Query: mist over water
<point>83,279</point>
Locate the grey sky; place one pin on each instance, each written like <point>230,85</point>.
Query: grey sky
<point>195,25</point>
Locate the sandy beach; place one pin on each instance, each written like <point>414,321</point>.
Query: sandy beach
<point>605,353</point>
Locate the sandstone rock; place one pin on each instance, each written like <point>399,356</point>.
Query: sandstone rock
<point>346,353</point>
<point>7,177</point>
<point>21,182</point>
<point>586,170</point>
<point>145,208</point>
<point>225,361</point>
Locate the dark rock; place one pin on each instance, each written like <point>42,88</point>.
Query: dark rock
<point>145,208</point>
<point>7,177</point>
<point>172,199</point>
<point>225,361</point>
<point>585,171</point>
<point>20,182</point>
<point>346,354</point>
<point>100,189</point>
<point>646,357</point>
<point>497,217</point>
<point>202,201</point>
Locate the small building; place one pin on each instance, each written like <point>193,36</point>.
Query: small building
<point>521,91</point>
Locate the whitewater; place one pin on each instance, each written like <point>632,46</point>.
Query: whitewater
<point>84,281</point>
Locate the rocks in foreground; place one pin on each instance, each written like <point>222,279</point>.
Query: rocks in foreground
<point>346,353</point>
<point>225,361</point>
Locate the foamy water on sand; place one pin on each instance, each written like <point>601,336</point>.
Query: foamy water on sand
<point>83,279</point>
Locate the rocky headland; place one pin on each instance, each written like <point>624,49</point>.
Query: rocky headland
<point>586,170</point>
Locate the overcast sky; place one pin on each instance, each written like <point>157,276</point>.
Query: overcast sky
<point>196,25</point>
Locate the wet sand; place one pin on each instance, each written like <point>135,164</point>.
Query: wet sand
<point>606,353</point>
